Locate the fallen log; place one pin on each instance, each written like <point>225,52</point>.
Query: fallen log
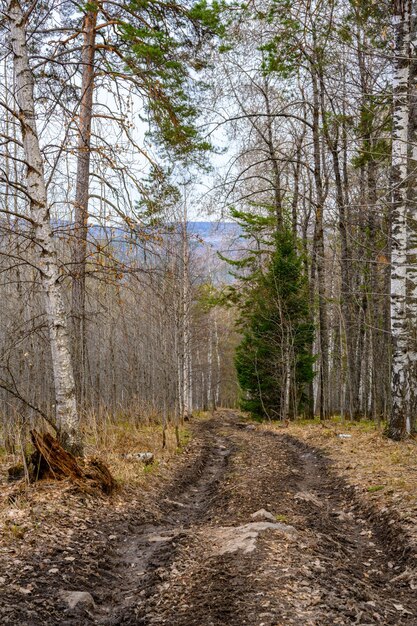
<point>50,460</point>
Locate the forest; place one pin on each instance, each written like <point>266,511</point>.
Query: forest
<point>208,251</point>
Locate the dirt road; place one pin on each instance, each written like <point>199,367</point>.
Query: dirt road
<point>198,557</point>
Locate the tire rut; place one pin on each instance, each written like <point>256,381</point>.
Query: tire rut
<point>358,568</point>
<point>175,566</point>
<point>149,551</point>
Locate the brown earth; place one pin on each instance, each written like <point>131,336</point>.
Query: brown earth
<point>383,472</point>
<point>190,555</point>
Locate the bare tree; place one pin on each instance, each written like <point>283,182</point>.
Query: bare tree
<point>66,410</point>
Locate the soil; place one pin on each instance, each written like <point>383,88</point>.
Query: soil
<point>191,554</point>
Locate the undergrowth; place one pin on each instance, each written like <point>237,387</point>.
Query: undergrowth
<point>25,509</point>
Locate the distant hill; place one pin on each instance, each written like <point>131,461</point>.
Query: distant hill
<point>214,233</point>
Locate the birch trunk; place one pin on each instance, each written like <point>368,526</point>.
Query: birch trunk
<point>65,401</point>
<point>81,203</point>
<point>411,217</point>
<point>218,364</point>
<point>210,388</point>
<point>186,334</point>
<point>400,395</point>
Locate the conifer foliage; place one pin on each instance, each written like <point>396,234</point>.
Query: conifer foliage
<point>274,360</point>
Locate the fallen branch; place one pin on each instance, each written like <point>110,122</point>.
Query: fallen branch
<point>16,394</point>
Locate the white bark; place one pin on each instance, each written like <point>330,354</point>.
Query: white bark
<point>186,326</point>
<point>210,391</point>
<point>66,410</point>
<point>399,422</point>
<point>411,217</point>
<point>217,351</point>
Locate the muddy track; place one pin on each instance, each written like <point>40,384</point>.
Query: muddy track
<point>200,559</point>
<point>152,548</point>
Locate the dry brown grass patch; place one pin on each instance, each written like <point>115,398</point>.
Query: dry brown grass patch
<point>45,511</point>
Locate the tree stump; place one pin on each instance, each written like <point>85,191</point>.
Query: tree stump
<point>50,460</point>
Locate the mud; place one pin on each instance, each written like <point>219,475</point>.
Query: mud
<point>324,561</point>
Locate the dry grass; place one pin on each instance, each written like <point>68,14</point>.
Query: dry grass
<point>48,510</point>
<point>384,471</point>
<point>111,439</point>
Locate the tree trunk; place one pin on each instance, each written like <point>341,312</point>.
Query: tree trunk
<point>319,255</point>
<point>297,171</point>
<point>185,314</point>
<point>411,217</point>
<point>400,395</point>
<point>65,401</point>
<point>79,249</point>
<point>276,175</point>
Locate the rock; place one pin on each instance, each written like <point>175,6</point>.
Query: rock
<point>78,599</point>
<point>308,497</point>
<point>144,457</point>
<point>233,538</point>
<point>340,514</point>
<point>263,514</point>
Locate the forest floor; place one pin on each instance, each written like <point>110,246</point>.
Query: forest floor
<point>188,551</point>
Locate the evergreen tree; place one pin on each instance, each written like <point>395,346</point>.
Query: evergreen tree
<point>273,361</point>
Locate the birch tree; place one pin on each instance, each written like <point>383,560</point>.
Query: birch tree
<point>400,416</point>
<point>66,409</point>
<point>411,218</point>
<point>187,389</point>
